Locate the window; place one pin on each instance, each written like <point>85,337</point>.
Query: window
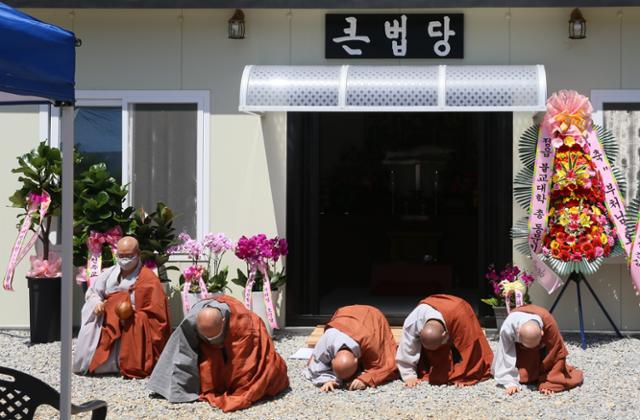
<point>155,141</point>
<point>619,112</point>
<point>98,136</point>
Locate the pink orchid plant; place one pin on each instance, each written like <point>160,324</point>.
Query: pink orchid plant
<point>204,275</point>
<point>262,254</point>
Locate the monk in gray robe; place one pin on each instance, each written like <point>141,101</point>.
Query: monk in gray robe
<point>443,343</point>
<point>220,353</point>
<point>357,349</point>
<point>125,319</point>
<point>531,351</point>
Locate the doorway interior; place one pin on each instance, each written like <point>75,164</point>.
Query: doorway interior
<point>387,208</point>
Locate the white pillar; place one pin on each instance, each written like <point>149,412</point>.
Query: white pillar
<point>66,297</point>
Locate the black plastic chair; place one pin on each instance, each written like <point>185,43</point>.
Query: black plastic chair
<point>20,397</point>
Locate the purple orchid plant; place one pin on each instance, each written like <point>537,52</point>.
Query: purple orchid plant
<point>510,273</point>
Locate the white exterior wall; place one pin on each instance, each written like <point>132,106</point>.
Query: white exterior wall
<point>156,49</point>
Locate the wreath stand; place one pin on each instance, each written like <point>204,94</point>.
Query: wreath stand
<point>578,278</point>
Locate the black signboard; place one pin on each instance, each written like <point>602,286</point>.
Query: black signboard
<point>394,35</point>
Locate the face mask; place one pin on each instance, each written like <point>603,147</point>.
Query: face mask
<point>127,263</point>
<point>218,339</point>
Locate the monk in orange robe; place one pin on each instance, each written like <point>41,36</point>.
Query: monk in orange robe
<point>125,320</point>
<point>221,353</point>
<point>443,343</point>
<point>356,349</point>
<point>531,351</point>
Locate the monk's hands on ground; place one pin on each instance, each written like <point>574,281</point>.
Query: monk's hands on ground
<point>510,390</point>
<point>328,386</point>
<point>411,382</point>
<point>99,308</point>
<point>547,391</point>
<point>357,385</point>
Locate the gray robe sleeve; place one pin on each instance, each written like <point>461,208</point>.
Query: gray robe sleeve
<point>90,326</point>
<point>504,368</point>
<point>319,370</point>
<point>408,354</point>
<point>176,376</point>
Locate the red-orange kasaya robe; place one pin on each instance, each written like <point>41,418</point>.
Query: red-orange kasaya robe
<point>551,370</point>
<point>466,338</point>
<point>246,367</point>
<point>368,327</point>
<point>142,336</point>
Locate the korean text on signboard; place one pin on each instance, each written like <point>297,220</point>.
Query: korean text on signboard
<point>394,35</point>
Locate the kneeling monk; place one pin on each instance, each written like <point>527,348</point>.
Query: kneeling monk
<point>356,348</point>
<point>125,319</point>
<point>220,353</point>
<point>531,350</point>
<point>442,342</point>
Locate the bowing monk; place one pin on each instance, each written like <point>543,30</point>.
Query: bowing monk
<point>220,353</point>
<point>125,319</point>
<point>356,349</point>
<point>531,351</point>
<point>442,342</point>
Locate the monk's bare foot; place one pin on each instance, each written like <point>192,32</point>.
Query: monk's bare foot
<point>411,383</point>
<point>328,386</point>
<point>357,385</point>
<point>546,391</point>
<point>460,385</point>
<point>510,390</point>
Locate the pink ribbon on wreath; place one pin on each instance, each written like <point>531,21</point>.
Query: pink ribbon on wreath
<point>539,209</point>
<point>615,207</point>
<point>37,203</point>
<point>266,290</point>
<point>94,244</point>
<point>191,273</point>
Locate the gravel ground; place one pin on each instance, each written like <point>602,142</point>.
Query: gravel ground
<point>611,390</point>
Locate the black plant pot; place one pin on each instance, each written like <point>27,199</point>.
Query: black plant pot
<point>44,309</point>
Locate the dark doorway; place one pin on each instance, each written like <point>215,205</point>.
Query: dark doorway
<point>387,208</point>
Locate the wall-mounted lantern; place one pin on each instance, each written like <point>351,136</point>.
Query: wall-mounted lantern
<point>236,25</point>
<point>577,25</point>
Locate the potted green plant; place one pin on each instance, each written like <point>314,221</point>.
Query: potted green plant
<point>156,236</point>
<point>509,278</point>
<point>99,220</point>
<point>205,275</point>
<point>39,196</point>
<point>262,257</point>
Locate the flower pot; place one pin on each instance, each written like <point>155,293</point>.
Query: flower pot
<point>44,309</point>
<point>500,313</point>
<point>259,308</point>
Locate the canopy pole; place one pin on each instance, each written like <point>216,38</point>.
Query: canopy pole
<point>66,298</point>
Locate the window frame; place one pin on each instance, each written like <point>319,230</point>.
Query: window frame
<point>599,97</point>
<point>50,128</point>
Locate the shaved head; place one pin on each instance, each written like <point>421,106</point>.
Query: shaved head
<point>210,322</point>
<point>344,364</point>
<point>128,245</point>
<point>530,334</point>
<point>433,335</point>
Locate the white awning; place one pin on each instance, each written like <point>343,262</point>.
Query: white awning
<point>393,88</point>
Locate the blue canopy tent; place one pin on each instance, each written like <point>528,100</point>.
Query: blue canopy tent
<point>37,66</point>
